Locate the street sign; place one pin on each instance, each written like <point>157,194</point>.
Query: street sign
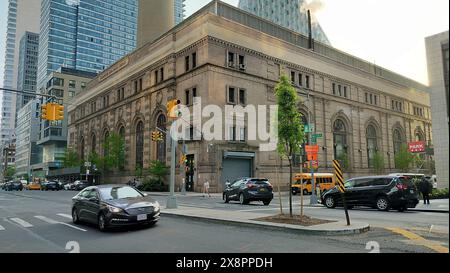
<point>309,128</point>
<point>318,135</point>
<point>312,157</point>
<point>339,176</point>
<point>314,149</point>
<point>417,147</point>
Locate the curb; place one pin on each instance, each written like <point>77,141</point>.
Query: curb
<point>266,226</point>
<point>429,210</point>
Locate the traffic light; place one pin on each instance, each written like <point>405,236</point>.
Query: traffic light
<point>172,111</point>
<point>48,112</point>
<point>183,159</point>
<point>157,136</point>
<point>59,112</point>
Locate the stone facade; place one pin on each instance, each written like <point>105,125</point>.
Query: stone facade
<point>137,93</point>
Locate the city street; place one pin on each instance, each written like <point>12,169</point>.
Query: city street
<point>35,221</point>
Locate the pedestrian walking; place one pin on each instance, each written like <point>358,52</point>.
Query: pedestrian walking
<point>206,188</point>
<point>425,187</point>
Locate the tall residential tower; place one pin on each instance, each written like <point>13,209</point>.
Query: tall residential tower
<point>287,13</point>
<point>23,16</point>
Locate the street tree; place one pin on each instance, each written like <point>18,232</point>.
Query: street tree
<point>378,162</point>
<point>403,159</point>
<point>290,127</point>
<point>10,171</point>
<point>114,148</point>
<point>71,159</point>
<point>344,160</point>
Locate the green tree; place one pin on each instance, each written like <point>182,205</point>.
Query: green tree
<point>115,152</point>
<point>378,162</point>
<point>290,127</point>
<point>403,159</point>
<point>344,161</point>
<point>71,159</point>
<point>10,171</point>
<point>158,170</point>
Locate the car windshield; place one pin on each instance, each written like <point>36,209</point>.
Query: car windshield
<point>114,193</point>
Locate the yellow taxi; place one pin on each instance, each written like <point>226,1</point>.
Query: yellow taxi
<point>34,187</point>
<point>325,181</point>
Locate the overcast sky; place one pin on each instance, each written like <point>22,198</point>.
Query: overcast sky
<point>390,33</point>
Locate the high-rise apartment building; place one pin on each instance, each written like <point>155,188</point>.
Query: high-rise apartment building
<point>86,35</point>
<point>287,13</point>
<point>156,17</point>
<point>23,16</point>
<point>438,73</point>
<point>28,62</point>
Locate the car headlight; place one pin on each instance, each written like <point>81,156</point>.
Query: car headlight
<point>156,206</point>
<point>113,209</point>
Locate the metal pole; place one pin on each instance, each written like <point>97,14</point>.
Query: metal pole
<point>172,199</point>
<point>313,200</point>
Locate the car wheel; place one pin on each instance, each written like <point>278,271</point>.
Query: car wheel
<point>102,222</point>
<point>294,193</point>
<point>330,202</point>
<point>266,203</point>
<point>382,203</point>
<point>242,199</point>
<point>75,218</point>
<point>225,198</point>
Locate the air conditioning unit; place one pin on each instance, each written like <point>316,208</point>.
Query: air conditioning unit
<point>242,66</point>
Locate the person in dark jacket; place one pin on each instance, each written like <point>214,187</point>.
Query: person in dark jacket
<point>425,188</point>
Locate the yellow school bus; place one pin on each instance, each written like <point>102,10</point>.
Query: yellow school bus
<point>325,181</point>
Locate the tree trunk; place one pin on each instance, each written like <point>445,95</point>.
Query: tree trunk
<point>290,187</point>
<point>301,187</point>
<point>278,185</point>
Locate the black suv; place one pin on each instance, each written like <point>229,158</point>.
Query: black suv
<point>249,189</point>
<point>380,192</point>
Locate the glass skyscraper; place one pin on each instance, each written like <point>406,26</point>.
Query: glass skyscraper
<point>28,61</point>
<point>286,13</point>
<point>179,11</point>
<point>87,35</point>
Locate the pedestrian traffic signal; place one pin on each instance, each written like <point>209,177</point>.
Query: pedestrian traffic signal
<point>172,109</point>
<point>59,112</point>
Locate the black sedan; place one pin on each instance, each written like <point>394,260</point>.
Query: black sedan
<point>249,189</point>
<point>80,185</point>
<point>114,206</point>
<point>50,186</point>
<point>13,186</point>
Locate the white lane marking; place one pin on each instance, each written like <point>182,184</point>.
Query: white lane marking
<point>65,215</point>
<point>45,219</point>
<point>21,222</point>
<point>51,221</point>
<point>1,228</point>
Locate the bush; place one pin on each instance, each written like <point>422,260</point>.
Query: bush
<point>439,194</point>
<point>153,185</point>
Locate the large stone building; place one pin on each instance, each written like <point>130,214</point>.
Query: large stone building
<point>226,56</point>
<point>438,71</point>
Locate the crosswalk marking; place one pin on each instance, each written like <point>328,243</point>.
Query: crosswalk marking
<point>45,219</point>
<point>51,221</point>
<point>21,222</point>
<point>65,215</point>
<point>1,228</point>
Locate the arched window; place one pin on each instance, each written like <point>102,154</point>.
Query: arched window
<point>419,136</point>
<point>398,140</point>
<point>161,145</point>
<point>82,148</point>
<point>339,139</point>
<point>93,144</point>
<point>372,144</point>
<point>105,143</point>
<point>140,144</point>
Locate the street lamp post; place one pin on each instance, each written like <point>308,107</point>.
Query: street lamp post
<point>313,200</point>
<point>172,199</point>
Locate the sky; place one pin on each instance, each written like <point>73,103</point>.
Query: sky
<point>390,33</point>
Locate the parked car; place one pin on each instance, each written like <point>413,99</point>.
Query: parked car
<point>2,185</point>
<point>69,186</point>
<point>14,186</point>
<point>249,189</point>
<point>380,192</point>
<point>50,185</point>
<point>34,187</point>
<point>80,185</point>
<point>114,205</point>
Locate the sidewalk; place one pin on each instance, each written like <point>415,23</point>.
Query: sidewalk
<point>436,205</point>
<point>246,219</point>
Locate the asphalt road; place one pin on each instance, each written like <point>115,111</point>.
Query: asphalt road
<point>38,222</point>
